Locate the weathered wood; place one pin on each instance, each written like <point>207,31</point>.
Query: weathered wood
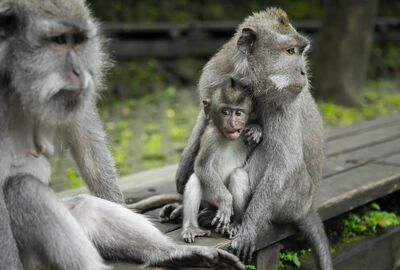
<point>351,160</point>
<point>268,258</point>
<point>377,252</point>
<point>335,133</point>
<point>362,140</point>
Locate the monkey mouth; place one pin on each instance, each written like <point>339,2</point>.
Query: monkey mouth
<point>233,134</point>
<point>295,89</point>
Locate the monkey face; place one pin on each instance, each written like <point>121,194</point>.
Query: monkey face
<point>274,50</point>
<point>230,120</point>
<point>55,60</point>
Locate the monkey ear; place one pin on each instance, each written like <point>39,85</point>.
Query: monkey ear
<point>8,20</point>
<point>246,40</point>
<point>206,107</point>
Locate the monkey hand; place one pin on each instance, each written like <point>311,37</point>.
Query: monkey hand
<point>223,218</point>
<point>244,243</point>
<point>253,134</point>
<point>171,212</point>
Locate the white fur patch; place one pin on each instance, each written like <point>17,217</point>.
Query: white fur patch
<point>280,81</point>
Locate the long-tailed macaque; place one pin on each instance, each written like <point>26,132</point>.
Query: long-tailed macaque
<point>219,178</point>
<point>269,56</point>
<point>51,72</point>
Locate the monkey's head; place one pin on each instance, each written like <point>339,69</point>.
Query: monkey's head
<point>229,109</point>
<point>50,56</point>
<point>272,49</point>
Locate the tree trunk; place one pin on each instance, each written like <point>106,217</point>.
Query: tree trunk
<point>341,56</point>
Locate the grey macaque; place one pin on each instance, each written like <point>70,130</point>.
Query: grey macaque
<point>51,71</point>
<point>219,178</point>
<point>267,54</point>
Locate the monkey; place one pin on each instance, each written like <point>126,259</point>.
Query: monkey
<point>52,66</point>
<point>219,178</point>
<point>269,55</point>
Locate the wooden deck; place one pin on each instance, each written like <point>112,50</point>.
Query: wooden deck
<point>362,164</point>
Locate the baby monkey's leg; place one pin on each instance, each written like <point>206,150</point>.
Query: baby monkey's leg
<point>191,203</point>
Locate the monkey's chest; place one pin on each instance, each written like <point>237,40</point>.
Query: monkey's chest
<point>228,157</point>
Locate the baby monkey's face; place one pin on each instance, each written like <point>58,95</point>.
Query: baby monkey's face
<point>231,119</point>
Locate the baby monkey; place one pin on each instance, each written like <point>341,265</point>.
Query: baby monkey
<point>219,179</point>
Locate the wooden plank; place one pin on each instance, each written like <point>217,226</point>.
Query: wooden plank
<point>362,140</point>
<point>335,133</point>
<point>343,193</point>
<point>393,160</point>
<point>142,181</point>
<point>350,160</point>
<point>268,258</point>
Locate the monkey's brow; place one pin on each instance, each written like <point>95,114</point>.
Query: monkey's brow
<point>52,26</point>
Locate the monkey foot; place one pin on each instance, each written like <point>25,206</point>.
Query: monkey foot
<point>222,221</point>
<point>171,212</point>
<point>190,233</point>
<point>233,230</point>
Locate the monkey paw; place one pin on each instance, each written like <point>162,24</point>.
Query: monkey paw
<point>222,220</point>
<point>233,230</point>
<point>171,212</point>
<point>191,232</point>
<point>244,244</point>
<point>253,134</point>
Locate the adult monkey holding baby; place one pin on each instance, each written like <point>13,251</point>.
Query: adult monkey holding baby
<point>51,69</point>
<point>268,55</point>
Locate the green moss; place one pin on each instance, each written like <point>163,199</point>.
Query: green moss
<point>367,223</point>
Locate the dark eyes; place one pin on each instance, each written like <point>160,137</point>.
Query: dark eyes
<point>225,112</point>
<point>63,39</point>
<point>291,51</point>
<point>60,40</point>
<point>239,113</point>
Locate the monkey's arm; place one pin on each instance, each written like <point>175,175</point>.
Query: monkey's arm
<point>271,166</point>
<point>87,141</point>
<point>186,164</point>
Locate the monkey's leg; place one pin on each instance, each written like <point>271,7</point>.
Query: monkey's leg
<point>47,235</point>
<point>120,234</point>
<point>191,203</point>
<point>239,186</point>
<point>9,256</point>
<point>186,164</point>
<point>313,228</point>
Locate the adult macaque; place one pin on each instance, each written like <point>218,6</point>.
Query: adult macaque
<point>218,177</point>
<point>51,70</point>
<point>267,54</point>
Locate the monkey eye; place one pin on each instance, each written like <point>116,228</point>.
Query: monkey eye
<point>79,39</point>
<point>60,40</point>
<point>239,113</point>
<point>291,51</point>
<point>225,112</point>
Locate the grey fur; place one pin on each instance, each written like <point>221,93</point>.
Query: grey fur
<point>216,174</point>
<point>51,72</point>
<point>286,167</point>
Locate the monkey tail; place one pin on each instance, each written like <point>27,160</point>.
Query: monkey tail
<point>155,202</point>
<point>313,229</point>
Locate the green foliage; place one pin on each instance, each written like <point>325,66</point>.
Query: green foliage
<point>251,267</point>
<point>289,258</point>
<point>367,223</point>
<point>378,100</point>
